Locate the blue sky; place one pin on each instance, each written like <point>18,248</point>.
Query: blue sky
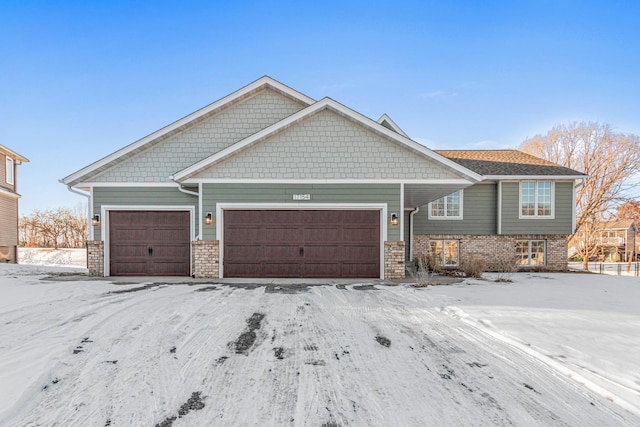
<point>81,79</point>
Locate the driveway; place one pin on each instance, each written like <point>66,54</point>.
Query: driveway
<point>214,354</point>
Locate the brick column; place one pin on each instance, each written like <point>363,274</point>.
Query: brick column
<point>394,260</point>
<point>95,257</point>
<point>206,258</point>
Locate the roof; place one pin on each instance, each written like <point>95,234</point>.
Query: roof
<point>13,154</point>
<point>179,125</point>
<point>508,163</point>
<point>325,103</point>
<point>616,224</point>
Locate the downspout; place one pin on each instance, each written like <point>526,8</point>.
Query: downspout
<point>413,212</point>
<point>192,193</point>
<point>89,209</point>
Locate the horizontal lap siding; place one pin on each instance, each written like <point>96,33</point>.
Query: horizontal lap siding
<point>561,224</point>
<point>140,196</point>
<point>8,221</point>
<point>283,193</point>
<point>479,214</point>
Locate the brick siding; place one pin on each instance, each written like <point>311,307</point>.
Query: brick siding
<point>95,257</point>
<point>495,249</point>
<point>394,260</point>
<point>206,258</point>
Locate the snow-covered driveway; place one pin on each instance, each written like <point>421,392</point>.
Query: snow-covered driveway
<point>84,353</point>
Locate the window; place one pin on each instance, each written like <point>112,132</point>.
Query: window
<point>9,170</point>
<point>531,252</point>
<point>445,251</point>
<point>448,207</point>
<point>536,199</point>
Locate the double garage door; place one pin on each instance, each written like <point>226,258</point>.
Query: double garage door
<point>302,243</point>
<point>257,243</point>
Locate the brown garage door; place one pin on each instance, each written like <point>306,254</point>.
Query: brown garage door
<point>302,243</point>
<point>149,243</point>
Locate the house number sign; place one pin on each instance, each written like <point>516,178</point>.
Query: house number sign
<point>302,197</point>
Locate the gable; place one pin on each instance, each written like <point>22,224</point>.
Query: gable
<point>325,146</point>
<point>160,160</point>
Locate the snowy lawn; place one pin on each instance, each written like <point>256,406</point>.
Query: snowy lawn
<point>548,349</point>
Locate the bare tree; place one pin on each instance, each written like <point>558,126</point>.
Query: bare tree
<point>59,228</point>
<point>629,210</point>
<point>611,160</point>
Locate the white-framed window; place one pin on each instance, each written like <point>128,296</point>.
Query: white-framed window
<point>9,171</point>
<point>447,207</point>
<point>536,199</point>
<point>447,252</point>
<point>531,252</point>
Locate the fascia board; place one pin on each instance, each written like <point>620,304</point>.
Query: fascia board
<point>13,154</point>
<point>263,81</point>
<point>322,104</point>
<point>539,177</point>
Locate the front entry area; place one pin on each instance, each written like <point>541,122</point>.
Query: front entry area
<point>302,243</point>
<point>149,243</point>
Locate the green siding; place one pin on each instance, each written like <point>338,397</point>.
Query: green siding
<point>479,213</point>
<point>561,224</point>
<point>140,196</point>
<point>320,193</point>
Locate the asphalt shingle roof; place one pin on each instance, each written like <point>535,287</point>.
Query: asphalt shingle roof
<point>506,163</point>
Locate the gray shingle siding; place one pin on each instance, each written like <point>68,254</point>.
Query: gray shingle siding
<point>561,224</point>
<point>479,214</point>
<point>327,146</point>
<point>207,137</point>
<point>283,193</point>
<point>140,196</point>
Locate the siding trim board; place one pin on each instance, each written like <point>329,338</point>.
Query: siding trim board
<point>104,225</point>
<point>220,207</point>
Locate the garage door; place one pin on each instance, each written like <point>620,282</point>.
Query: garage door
<point>149,243</point>
<point>302,243</point>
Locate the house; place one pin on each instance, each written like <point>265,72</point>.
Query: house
<point>268,182</point>
<point>612,241</point>
<point>9,161</point>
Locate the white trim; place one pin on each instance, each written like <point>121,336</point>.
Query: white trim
<point>11,170</point>
<point>264,81</point>
<point>330,104</point>
<point>13,154</point>
<point>573,210</point>
<point>91,226</point>
<point>220,207</point>
<point>127,184</point>
<point>104,225</point>
<point>534,177</point>
<point>411,233</point>
<point>499,207</point>
<point>200,216</point>
<point>535,215</point>
<point>326,181</point>
<point>445,217</point>
<point>401,213</point>
<point>9,193</point>
<point>385,118</point>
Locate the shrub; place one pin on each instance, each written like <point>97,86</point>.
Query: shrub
<point>473,267</point>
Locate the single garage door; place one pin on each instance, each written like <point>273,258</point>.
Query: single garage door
<point>149,243</point>
<point>302,243</point>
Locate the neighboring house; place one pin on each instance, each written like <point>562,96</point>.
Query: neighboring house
<point>613,241</point>
<point>9,161</point>
<point>267,182</point>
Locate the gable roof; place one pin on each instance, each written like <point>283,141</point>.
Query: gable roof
<point>13,154</point>
<point>325,103</point>
<point>617,224</point>
<point>386,121</point>
<point>501,164</point>
<point>183,123</point>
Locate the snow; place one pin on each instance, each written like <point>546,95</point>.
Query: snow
<point>547,349</point>
<point>53,257</point>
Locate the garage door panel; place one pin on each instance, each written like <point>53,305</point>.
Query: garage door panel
<point>302,243</point>
<point>149,243</point>
<point>322,234</point>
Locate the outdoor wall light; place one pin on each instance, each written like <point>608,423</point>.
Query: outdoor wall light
<point>208,218</point>
<point>394,219</point>
<point>95,220</point>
